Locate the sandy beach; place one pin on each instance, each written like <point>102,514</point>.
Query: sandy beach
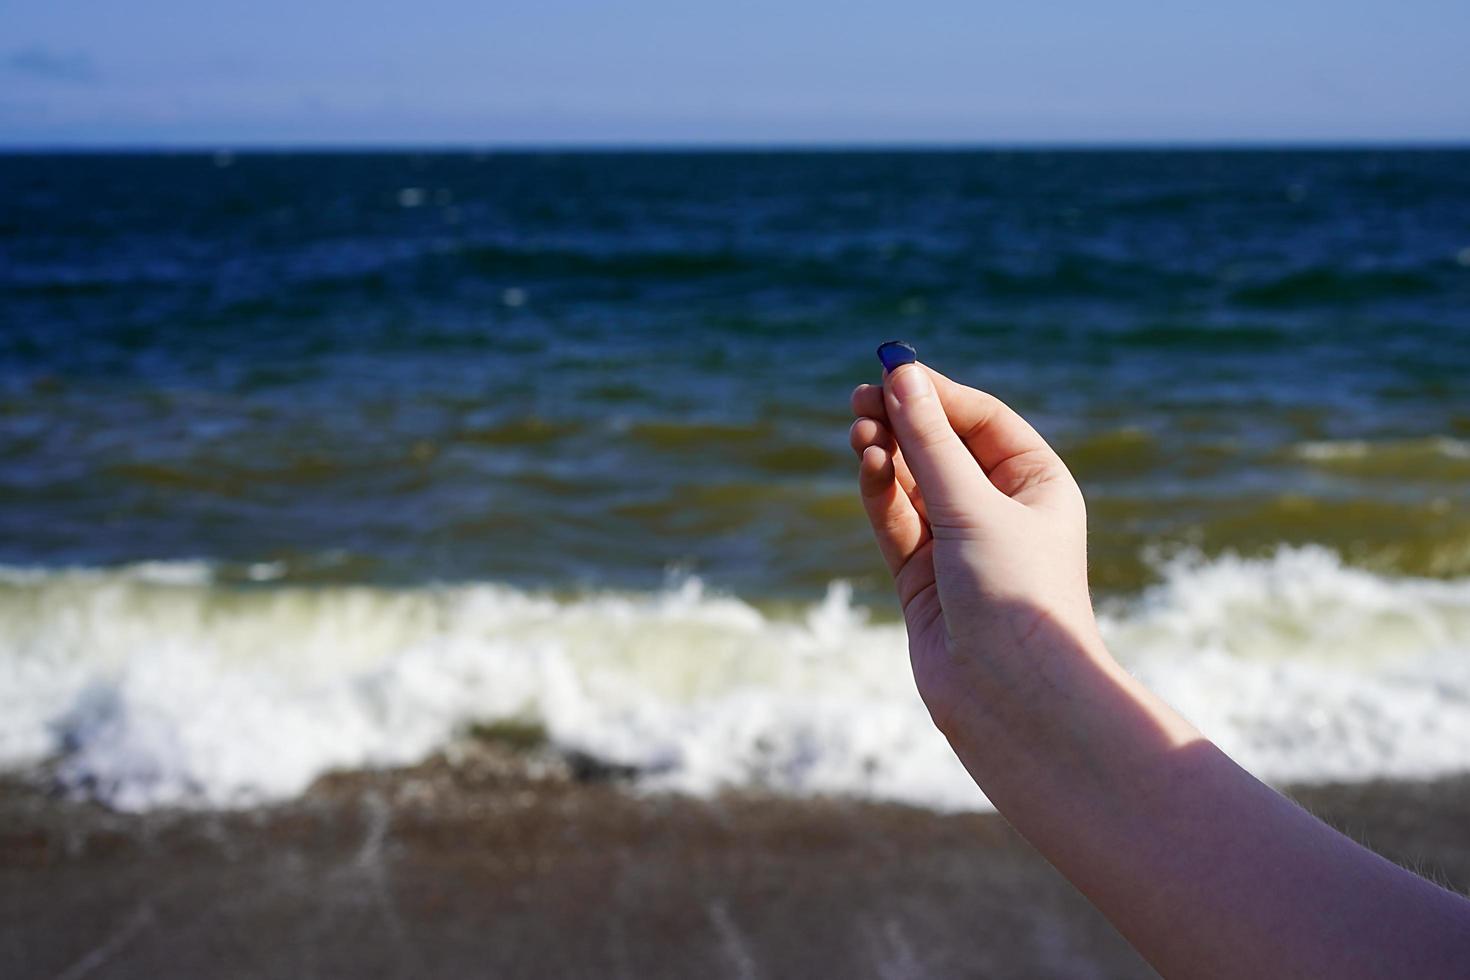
<point>503,864</point>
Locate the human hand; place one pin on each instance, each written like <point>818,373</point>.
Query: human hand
<point>984,530</point>
<point>1207,871</point>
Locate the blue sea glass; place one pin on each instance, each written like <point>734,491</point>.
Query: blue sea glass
<point>896,352</point>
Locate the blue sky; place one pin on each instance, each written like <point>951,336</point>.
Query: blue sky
<point>222,72</point>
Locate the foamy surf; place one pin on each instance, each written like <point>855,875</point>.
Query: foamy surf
<point>155,685</point>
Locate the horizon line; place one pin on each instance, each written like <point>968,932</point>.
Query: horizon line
<point>724,146</point>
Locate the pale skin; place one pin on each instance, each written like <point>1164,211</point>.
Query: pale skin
<point>1203,868</point>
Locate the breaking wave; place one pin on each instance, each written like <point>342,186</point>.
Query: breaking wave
<point>157,685</point>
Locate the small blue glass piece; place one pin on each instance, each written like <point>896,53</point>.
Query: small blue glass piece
<point>896,352</point>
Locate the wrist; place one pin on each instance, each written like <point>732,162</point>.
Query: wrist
<point>1023,674</point>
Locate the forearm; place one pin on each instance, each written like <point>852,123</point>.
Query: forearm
<point>1207,871</point>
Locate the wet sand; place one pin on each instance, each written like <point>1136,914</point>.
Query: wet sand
<point>496,867</point>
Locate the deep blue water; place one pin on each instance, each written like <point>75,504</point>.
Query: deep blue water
<point>587,369</point>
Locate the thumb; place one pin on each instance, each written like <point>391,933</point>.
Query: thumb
<point>955,489</point>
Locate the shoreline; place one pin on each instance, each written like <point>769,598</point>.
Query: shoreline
<point>508,863</point>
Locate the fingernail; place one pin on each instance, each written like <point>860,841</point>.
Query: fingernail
<point>910,383</point>
<point>895,352</point>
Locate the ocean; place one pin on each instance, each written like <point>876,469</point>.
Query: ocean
<point>319,462</point>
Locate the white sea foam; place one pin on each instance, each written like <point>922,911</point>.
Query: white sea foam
<point>1357,449</point>
<point>155,686</point>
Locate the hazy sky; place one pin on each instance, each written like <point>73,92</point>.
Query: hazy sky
<point>222,72</point>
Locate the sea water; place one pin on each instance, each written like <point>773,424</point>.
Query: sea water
<point>311,462</point>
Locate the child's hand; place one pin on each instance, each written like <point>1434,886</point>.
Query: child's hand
<point>1204,869</point>
<point>982,526</point>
